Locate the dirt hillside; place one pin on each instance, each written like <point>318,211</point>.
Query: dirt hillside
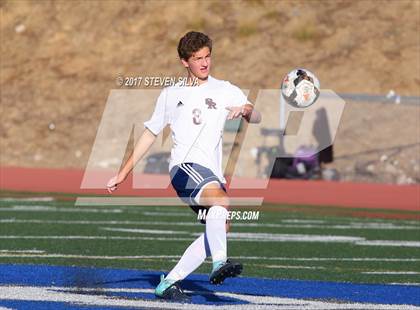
<point>60,59</point>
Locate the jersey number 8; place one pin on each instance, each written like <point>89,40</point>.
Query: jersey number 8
<point>197,116</point>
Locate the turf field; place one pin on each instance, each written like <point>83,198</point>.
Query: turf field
<point>285,243</point>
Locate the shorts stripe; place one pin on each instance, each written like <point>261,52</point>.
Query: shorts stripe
<point>194,178</point>
<point>193,171</point>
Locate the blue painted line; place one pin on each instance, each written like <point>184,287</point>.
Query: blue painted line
<point>43,275</point>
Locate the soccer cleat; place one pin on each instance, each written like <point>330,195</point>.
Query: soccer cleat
<point>170,290</point>
<point>228,269</point>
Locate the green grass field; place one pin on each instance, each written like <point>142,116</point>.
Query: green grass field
<point>286,242</point>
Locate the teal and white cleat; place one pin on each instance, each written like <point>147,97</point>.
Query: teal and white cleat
<point>223,270</point>
<point>170,290</point>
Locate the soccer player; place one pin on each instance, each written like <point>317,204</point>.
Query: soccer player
<point>196,113</point>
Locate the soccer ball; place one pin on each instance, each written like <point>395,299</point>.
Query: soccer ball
<point>300,88</point>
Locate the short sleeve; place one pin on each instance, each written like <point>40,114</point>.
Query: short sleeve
<point>237,96</point>
<point>159,119</point>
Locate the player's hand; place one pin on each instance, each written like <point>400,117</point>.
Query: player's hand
<point>236,112</point>
<point>114,182</point>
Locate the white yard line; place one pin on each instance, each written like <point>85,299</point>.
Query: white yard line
<point>36,253</point>
<point>171,223</point>
<point>290,266</point>
<point>139,257</point>
<point>147,231</point>
<point>91,297</point>
<point>356,259</point>
<point>163,214</point>
<point>86,222</point>
<point>374,226</point>
<point>156,201</point>
<point>237,237</point>
<point>294,221</point>
<point>401,243</point>
<point>27,199</point>
<point>293,237</point>
<point>392,272</point>
<point>96,257</point>
<point>57,209</point>
<point>267,237</point>
<point>95,238</point>
<point>21,251</point>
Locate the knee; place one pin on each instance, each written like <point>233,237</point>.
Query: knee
<point>212,196</point>
<point>219,199</point>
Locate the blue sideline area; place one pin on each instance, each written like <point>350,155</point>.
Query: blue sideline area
<point>87,277</point>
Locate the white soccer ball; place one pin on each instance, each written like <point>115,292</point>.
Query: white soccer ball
<point>300,88</point>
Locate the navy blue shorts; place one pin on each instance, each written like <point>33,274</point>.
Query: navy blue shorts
<point>188,179</point>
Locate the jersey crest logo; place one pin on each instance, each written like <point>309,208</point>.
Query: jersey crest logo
<point>210,103</point>
<point>179,104</point>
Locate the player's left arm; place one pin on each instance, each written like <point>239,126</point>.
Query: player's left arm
<point>247,111</point>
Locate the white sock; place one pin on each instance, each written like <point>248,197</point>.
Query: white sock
<point>192,258</point>
<point>216,233</point>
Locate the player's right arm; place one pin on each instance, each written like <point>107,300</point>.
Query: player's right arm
<point>142,146</point>
<point>239,106</point>
<point>153,126</point>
